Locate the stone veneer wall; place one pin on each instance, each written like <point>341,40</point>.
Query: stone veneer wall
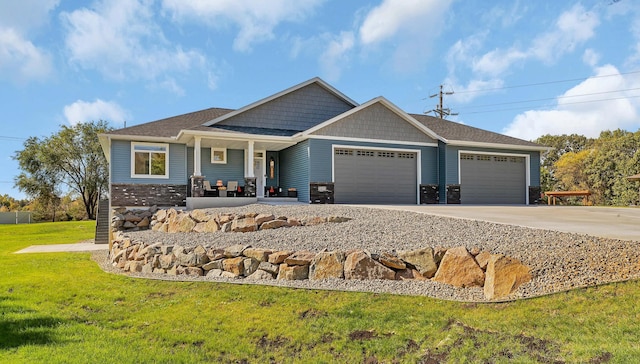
<point>148,195</point>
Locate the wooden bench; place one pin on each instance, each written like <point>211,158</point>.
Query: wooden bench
<point>554,194</point>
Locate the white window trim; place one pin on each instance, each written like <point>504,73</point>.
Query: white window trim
<point>224,155</point>
<point>166,160</point>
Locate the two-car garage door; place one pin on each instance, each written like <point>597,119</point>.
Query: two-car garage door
<point>367,176</point>
<point>492,179</point>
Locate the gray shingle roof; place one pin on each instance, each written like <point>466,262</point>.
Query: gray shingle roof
<point>455,131</point>
<point>170,127</point>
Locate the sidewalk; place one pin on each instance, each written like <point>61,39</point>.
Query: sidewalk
<point>58,248</point>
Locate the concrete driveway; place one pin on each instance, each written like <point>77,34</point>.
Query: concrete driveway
<point>609,222</point>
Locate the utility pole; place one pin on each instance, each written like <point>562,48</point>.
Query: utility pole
<point>440,110</point>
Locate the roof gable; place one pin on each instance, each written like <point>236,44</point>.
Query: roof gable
<point>376,119</point>
<point>297,108</point>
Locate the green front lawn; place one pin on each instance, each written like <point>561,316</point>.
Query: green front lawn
<point>60,307</point>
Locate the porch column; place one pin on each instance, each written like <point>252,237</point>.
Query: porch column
<point>197,157</point>
<point>250,159</point>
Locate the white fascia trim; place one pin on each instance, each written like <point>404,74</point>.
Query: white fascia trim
<point>105,144</point>
<point>144,138</point>
<point>418,161</point>
<point>527,159</point>
<point>462,143</point>
<point>235,136</point>
<point>317,80</point>
<point>389,105</point>
<point>365,140</point>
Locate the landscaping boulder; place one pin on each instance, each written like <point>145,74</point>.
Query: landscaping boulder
<point>279,256</point>
<point>216,264</point>
<point>200,216</point>
<point>167,261</point>
<point>269,268</point>
<point>261,255</point>
<point>273,224</point>
<point>181,223</point>
<point>391,261</point>
<point>409,274</point>
<point>210,226</point>
<point>235,250</point>
<point>250,266</point>
<point>293,272</point>
<point>504,275</point>
<point>459,268</point>
<point>360,265</point>
<point>262,218</point>
<point>300,258</point>
<point>422,260</point>
<point>234,265</point>
<point>244,225</point>
<point>260,274</point>
<point>483,259</point>
<point>327,265</point>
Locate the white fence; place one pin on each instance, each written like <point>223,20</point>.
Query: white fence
<point>18,217</point>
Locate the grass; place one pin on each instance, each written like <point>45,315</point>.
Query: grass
<point>60,307</point>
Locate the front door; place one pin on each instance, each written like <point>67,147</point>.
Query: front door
<point>258,171</point>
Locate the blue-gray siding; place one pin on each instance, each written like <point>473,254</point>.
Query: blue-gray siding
<point>442,171</point>
<point>375,122</point>
<point>298,110</point>
<point>294,170</point>
<point>121,165</point>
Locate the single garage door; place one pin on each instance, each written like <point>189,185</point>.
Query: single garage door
<point>489,179</point>
<point>364,176</point>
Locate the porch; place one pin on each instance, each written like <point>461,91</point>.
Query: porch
<point>231,169</point>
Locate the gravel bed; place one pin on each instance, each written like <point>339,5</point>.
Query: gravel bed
<point>558,261</point>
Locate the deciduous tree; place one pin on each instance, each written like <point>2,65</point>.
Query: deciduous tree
<point>71,158</point>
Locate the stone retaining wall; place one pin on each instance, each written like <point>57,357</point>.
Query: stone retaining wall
<point>203,221</point>
<point>498,274</point>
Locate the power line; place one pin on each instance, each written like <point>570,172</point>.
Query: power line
<point>547,82</point>
<point>566,103</point>
<point>548,98</point>
<point>3,137</point>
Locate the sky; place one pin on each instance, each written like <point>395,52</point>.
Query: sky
<point>522,68</point>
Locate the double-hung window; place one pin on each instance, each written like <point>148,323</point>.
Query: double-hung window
<point>149,160</point>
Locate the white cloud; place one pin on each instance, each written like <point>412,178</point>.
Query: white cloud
<point>335,56</point>
<point>25,15</point>
<point>592,106</point>
<point>394,17</point>
<point>21,60</point>
<point>256,19</point>
<point>591,57</point>
<point>498,61</point>
<point>84,111</point>
<point>120,39</point>
<point>405,24</point>
<point>573,27</point>
<point>473,89</point>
